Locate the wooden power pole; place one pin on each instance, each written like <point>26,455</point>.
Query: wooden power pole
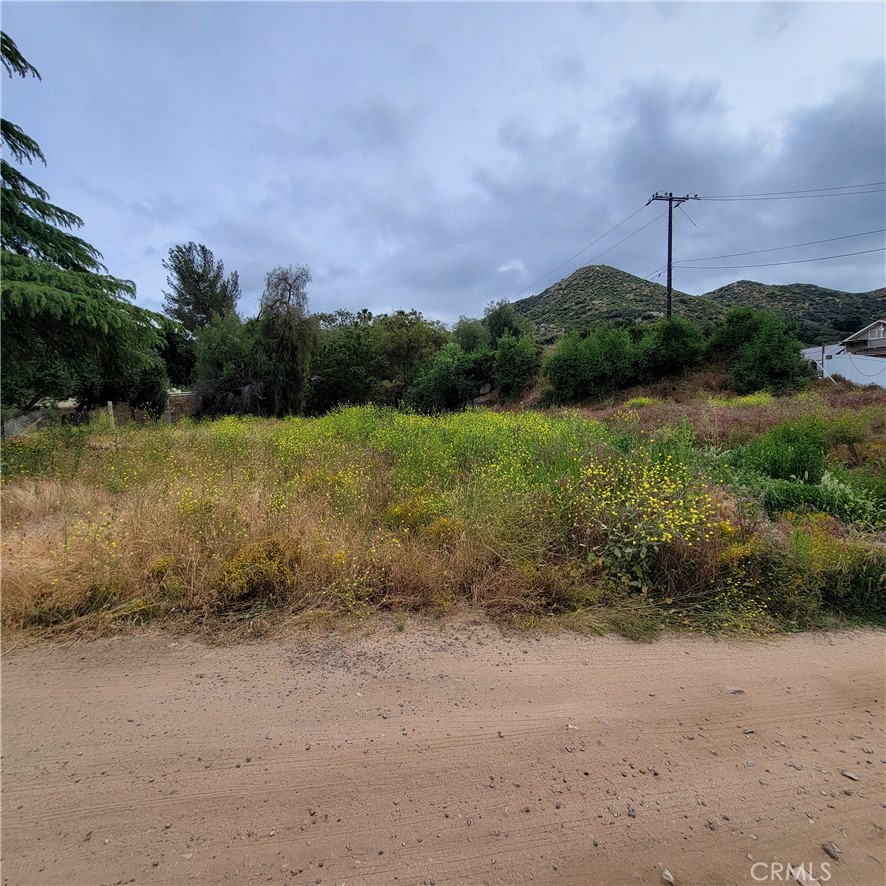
<point>672,202</point>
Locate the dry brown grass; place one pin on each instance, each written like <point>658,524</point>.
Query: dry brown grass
<point>241,527</point>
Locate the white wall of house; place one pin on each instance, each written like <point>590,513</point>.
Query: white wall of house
<point>857,369</point>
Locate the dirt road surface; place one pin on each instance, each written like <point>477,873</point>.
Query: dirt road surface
<point>445,756</point>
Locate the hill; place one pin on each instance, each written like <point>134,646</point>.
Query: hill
<point>824,315</point>
<point>599,293</point>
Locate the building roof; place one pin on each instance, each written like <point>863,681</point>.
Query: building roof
<point>861,332</point>
<point>814,354</point>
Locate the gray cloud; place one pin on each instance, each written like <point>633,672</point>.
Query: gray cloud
<point>407,153</point>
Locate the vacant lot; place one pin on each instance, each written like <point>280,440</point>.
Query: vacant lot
<point>739,517</point>
<point>446,755</point>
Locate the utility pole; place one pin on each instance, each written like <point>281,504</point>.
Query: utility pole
<point>672,202</point>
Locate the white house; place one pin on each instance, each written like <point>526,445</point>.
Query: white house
<point>860,358</point>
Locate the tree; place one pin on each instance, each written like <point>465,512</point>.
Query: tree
<point>405,339</point>
<point>515,365</point>
<point>669,347</point>
<point>286,339</point>
<point>198,287</point>
<point>580,368</point>
<point>446,381</point>
<point>346,369</point>
<point>500,317</point>
<point>470,334</point>
<point>60,309</point>
<point>224,369</point>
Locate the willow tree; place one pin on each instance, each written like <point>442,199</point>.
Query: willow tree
<point>286,339</point>
<point>61,310</point>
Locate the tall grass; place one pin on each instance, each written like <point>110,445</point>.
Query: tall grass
<point>520,514</point>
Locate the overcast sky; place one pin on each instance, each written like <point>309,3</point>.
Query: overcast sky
<point>440,156</point>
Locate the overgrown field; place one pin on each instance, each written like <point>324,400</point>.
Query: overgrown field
<point>742,516</point>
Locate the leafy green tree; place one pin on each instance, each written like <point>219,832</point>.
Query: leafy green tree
<point>346,369</point>
<point>179,355</point>
<point>60,309</point>
<point>470,334</point>
<point>224,367</point>
<point>405,339</point>
<point>286,340</point>
<point>144,388</point>
<point>445,382</point>
<point>515,364</point>
<point>500,318</point>
<point>198,287</point>
<point>763,352</point>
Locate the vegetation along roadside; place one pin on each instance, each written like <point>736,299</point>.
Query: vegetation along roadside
<point>742,517</point>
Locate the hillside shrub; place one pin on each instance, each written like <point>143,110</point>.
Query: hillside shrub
<point>764,353</point>
<point>602,362</point>
<point>447,381</point>
<point>669,348</point>
<point>515,364</point>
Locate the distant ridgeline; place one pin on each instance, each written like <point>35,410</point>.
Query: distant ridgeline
<point>599,293</point>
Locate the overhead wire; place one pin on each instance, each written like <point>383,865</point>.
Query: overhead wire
<point>798,195</point>
<point>778,248</point>
<point>577,254</point>
<point>800,191</point>
<point>799,261</point>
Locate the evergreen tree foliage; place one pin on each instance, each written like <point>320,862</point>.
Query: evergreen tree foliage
<point>346,369</point>
<point>60,309</point>
<point>198,287</point>
<point>405,339</point>
<point>224,370</point>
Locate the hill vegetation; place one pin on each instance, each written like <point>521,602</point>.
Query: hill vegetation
<point>824,315</point>
<point>599,293</point>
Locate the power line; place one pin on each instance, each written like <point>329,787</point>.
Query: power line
<point>778,248</point>
<point>801,191</point>
<point>798,261</point>
<point>798,195</point>
<point>577,254</point>
<point>610,248</point>
<point>724,257</point>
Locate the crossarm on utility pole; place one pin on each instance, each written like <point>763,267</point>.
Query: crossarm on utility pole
<point>672,202</point>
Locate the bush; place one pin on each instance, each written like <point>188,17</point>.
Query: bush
<point>763,350</point>
<point>515,364</point>
<point>447,381</point>
<point>849,576</point>
<point>788,452</point>
<point>669,348</point>
<point>581,368</point>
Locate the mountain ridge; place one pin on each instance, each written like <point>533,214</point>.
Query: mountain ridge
<point>601,293</point>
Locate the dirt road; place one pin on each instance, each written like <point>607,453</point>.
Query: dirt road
<point>445,756</point>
